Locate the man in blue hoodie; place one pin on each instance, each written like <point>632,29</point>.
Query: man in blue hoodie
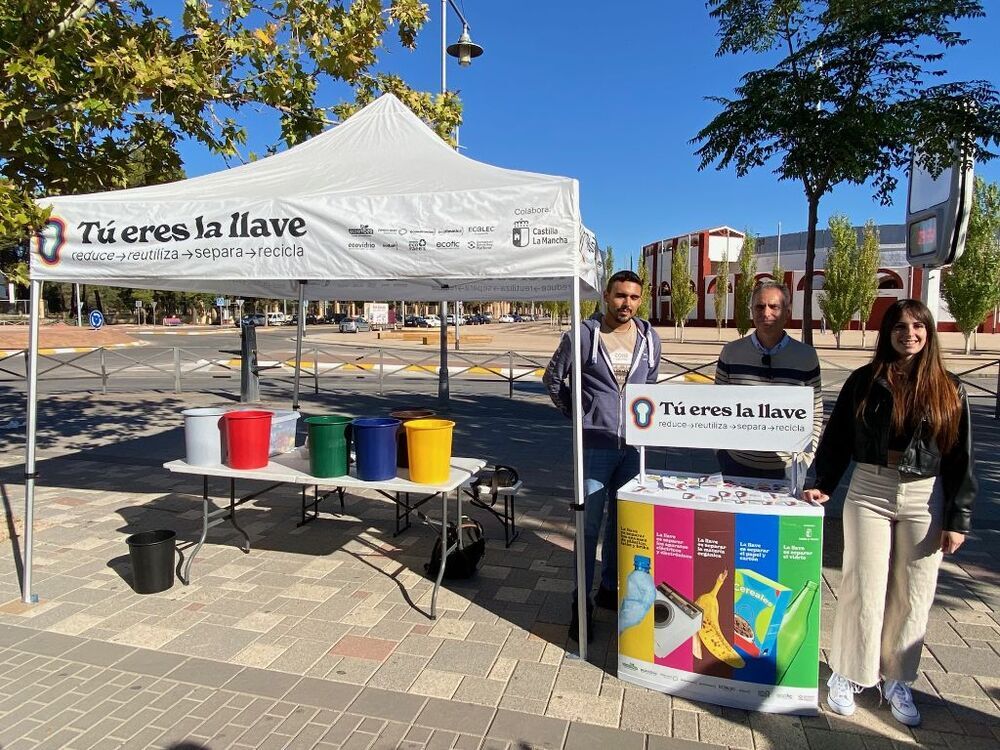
<point>616,348</point>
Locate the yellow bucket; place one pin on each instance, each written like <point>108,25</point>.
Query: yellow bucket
<point>428,443</point>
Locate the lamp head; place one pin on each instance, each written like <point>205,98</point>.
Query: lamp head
<point>465,49</point>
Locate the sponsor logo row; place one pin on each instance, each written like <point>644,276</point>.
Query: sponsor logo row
<point>365,230</point>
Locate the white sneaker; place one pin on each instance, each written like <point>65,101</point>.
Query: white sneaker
<point>901,702</point>
<point>840,698</point>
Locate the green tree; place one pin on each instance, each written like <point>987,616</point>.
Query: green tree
<point>839,298</point>
<point>647,294</point>
<point>854,84</point>
<point>869,255</point>
<point>778,273</point>
<point>747,263</point>
<point>88,84</point>
<point>721,293</point>
<point>971,287</point>
<point>682,296</point>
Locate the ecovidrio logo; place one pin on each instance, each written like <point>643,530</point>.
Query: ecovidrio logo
<point>49,242</point>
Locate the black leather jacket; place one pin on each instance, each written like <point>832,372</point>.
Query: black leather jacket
<point>867,441</point>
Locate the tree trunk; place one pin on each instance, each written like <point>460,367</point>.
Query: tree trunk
<point>864,331</point>
<point>807,289</point>
<point>718,333</point>
<point>682,333</point>
<point>837,336</point>
<point>968,342</point>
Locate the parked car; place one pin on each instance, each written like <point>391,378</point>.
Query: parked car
<point>506,319</point>
<point>255,319</point>
<point>336,318</point>
<point>354,325</point>
<point>430,321</point>
<point>312,319</point>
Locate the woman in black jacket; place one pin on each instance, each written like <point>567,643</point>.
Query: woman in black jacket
<point>904,420</point>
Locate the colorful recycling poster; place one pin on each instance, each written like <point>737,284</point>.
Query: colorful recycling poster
<point>719,591</point>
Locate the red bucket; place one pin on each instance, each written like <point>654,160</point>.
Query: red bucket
<point>248,438</point>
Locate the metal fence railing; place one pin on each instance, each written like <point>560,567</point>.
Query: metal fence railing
<point>191,368</point>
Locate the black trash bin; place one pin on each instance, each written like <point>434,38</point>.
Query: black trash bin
<point>152,555</point>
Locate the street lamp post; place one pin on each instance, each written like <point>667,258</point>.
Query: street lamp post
<point>464,49</point>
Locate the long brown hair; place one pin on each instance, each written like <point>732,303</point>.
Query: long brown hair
<point>925,389</point>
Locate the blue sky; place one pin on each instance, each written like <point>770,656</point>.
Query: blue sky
<point>611,94</point>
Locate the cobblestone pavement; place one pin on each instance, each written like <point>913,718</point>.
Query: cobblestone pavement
<point>317,637</point>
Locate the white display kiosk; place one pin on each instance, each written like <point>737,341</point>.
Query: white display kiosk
<point>719,577</point>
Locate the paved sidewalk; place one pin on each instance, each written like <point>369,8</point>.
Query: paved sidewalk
<point>317,639</point>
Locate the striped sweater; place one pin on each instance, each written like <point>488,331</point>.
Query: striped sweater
<point>740,363</point>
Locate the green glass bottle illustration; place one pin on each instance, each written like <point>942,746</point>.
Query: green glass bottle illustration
<point>794,628</point>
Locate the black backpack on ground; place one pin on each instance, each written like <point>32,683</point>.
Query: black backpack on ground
<point>463,562</point>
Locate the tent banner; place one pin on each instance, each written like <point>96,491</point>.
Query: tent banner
<point>529,231</point>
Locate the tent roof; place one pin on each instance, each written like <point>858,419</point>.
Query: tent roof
<point>385,149</point>
<point>380,198</point>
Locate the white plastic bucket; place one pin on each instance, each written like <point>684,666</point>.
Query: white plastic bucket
<point>203,436</point>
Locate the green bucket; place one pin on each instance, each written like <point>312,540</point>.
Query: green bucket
<point>329,445</point>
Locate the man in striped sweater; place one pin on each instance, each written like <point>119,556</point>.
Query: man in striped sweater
<point>769,356</point>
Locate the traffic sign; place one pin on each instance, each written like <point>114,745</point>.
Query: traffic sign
<point>220,301</point>
<point>138,304</point>
<point>96,319</point>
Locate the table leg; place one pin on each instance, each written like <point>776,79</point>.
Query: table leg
<point>232,516</point>
<point>509,520</point>
<point>444,553</point>
<point>458,518</point>
<point>186,576</point>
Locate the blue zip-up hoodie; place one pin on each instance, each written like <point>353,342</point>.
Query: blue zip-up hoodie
<point>603,401</point>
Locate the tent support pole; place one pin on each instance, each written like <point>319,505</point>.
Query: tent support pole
<point>582,594</point>
<point>30,475</point>
<point>299,335</point>
<point>443,385</point>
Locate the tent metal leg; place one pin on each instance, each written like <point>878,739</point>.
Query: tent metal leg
<point>30,474</point>
<point>299,335</point>
<point>582,593</point>
<point>443,384</point>
<point>581,576</point>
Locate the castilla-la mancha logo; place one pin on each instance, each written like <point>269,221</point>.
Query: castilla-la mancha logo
<point>49,242</point>
<point>521,235</point>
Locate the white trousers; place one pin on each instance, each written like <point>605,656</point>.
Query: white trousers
<point>892,552</point>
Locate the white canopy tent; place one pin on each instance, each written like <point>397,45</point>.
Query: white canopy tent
<point>377,208</point>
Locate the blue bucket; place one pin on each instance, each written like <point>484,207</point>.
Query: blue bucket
<point>375,448</point>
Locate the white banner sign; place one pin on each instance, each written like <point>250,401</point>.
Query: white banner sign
<point>734,417</point>
<point>379,313</point>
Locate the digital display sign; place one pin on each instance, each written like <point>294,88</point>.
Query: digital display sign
<point>923,237</point>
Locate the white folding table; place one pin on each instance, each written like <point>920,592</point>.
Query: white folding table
<point>293,468</point>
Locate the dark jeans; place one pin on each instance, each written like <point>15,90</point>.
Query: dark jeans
<point>604,472</point>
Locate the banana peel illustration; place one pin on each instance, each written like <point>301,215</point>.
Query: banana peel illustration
<point>710,633</point>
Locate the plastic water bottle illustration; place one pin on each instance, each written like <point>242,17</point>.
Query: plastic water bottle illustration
<point>640,593</point>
